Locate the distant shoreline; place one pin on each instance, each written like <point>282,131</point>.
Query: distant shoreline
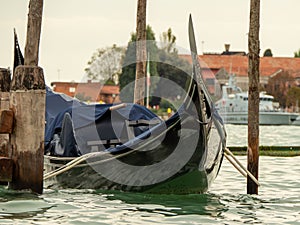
<point>279,151</point>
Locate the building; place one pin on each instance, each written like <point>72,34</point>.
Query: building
<point>89,92</point>
<point>221,65</point>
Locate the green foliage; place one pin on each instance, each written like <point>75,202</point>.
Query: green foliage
<point>173,69</point>
<point>165,104</point>
<point>127,76</point>
<point>168,41</point>
<point>268,53</point>
<point>293,96</point>
<point>165,62</point>
<point>82,97</point>
<point>297,54</point>
<point>110,81</point>
<point>105,64</point>
<point>278,87</point>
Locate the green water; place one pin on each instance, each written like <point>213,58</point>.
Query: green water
<point>278,202</point>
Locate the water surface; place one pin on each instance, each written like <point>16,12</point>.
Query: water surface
<point>278,202</point>
<point>268,135</point>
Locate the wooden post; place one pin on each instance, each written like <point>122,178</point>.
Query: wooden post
<point>4,105</point>
<point>141,53</point>
<point>27,100</point>
<point>5,161</point>
<point>253,103</point>
<point>4,81</point>
<point>6,168</point>
<point>34,24</point>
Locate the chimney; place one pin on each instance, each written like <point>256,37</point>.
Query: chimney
<point>227,46</point>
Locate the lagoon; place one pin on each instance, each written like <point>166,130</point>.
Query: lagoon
<point>278,201</point>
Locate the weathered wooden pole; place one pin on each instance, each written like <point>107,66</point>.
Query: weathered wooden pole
<point>6,118</point>
<point>253,103</point>
<point>141,53</point>
<point>34,24</point>
<point>4,105</point>
<point>27,100</point>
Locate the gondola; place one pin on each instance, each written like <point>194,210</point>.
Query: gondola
<point>127,147</point>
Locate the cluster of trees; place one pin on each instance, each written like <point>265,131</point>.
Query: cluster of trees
<point>283,86</point>
<point>268,53</point>
<point>105,65</point>
<point>284,90</point>
<point>118,65</point>
<point>164,63</point>
<point>297,54</point>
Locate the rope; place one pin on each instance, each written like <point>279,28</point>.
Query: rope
<point>67,166</point>
<point>239,166</point>
<point>82,158</point>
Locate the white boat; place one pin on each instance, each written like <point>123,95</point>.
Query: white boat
<point>233,107</point>
<point>297,121</point>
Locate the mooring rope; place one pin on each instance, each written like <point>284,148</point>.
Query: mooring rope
<point>67,166</point>
<point>239,166</point>
<point>75,161</point>
<point>83,158</point>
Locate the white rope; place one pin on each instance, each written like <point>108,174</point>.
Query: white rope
<point>82,158</point>
<point>237,163</point>
<point>67,166</point>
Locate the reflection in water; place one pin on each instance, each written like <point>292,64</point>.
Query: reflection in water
<point>278,202</point>
<point>172,205</point>
<point>20,204</point>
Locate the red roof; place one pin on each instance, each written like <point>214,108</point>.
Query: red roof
<point>238,64</point>
<point>89,89</point>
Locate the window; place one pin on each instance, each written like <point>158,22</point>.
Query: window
<point>72,89</point>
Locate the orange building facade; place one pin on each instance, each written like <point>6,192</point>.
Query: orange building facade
<point>222,65</point>
<point>89,92</point>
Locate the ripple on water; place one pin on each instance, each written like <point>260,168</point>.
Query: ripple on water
<point>278,202</point>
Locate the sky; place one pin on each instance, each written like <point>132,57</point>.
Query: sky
<point>72,30</point>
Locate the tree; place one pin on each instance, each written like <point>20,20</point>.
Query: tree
<point>168,41</point>
<point>170,67</point>
<point>175,69</point>
<point>268,53</point>
<point>106,64</point>
<point>82,97</point>
<point>297,54</point>
<point>278,87</point>
<point>293,97</point>
<point>127,76</point>
<point>164,62</point>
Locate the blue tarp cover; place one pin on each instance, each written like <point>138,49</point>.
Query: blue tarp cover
<point>85,116</point>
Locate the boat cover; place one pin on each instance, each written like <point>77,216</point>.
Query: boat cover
<point>88,119</point>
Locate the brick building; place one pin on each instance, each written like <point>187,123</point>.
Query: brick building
<point>221,65</point>
<point>89,92</point>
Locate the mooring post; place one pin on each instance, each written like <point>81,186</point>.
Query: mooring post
<point>27,100</point>
<point>253,102</point>
<point>141,53</point>
<point>6,118</point>
<point>5,79</point>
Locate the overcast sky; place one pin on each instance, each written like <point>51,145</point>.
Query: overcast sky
<point>72,30</point>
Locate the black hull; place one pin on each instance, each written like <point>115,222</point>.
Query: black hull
<point>195,176</point>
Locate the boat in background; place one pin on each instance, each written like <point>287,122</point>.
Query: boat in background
<point>233,107</point>
<point>297,121</point>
